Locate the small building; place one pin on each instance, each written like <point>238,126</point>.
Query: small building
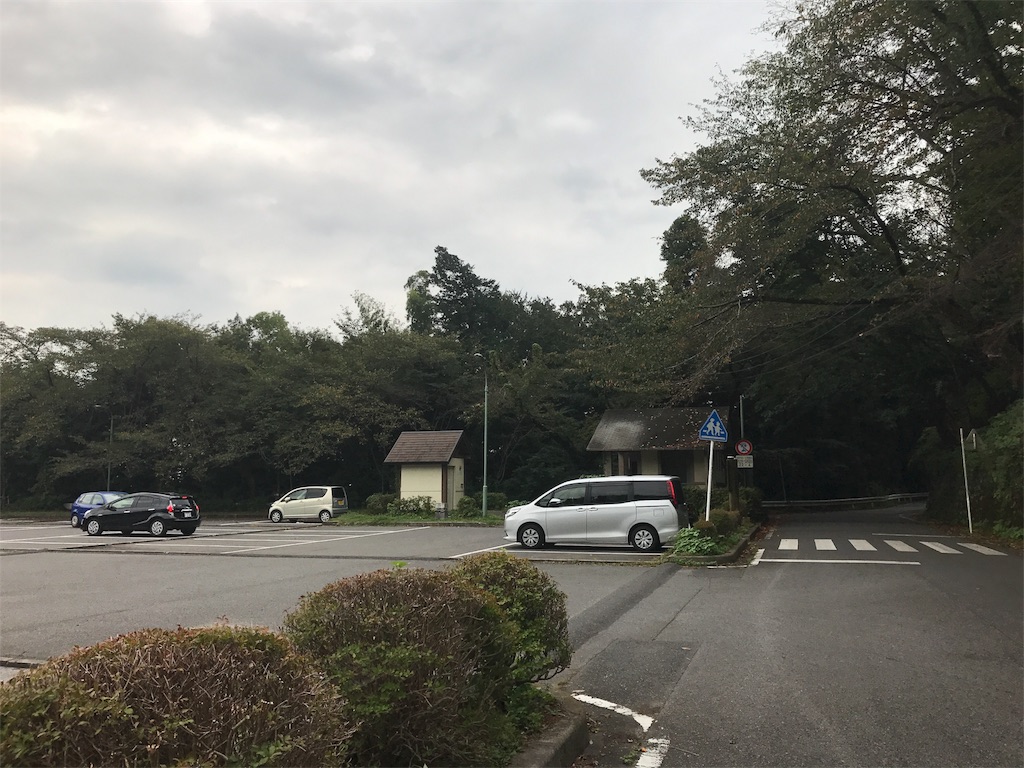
<point>658,441</point>
<point>431,464</point>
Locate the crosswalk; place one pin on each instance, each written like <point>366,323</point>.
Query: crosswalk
<point>883,545</point>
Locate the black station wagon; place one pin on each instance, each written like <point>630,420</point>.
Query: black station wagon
<point>157,513</point>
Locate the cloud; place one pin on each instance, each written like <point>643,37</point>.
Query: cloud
<point>227,158</point>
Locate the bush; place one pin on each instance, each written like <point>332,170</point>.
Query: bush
<point>416,506</point>
<point>534,603</point>
<point>706,528</point>
<point>424,661</point>
<point>696,497</point>
<point>496,501</point>
<point>691,541</point>
<point>467,507</point>
<point>212,696</point>
<point>377,503</point>
<point>725,520</point>
<point>751,502</point>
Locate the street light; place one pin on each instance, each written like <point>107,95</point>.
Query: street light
<point>483,498</point>
<point>110,443</point>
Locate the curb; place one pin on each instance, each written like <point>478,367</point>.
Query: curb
<point>729,556</point>
<point>560,744</point>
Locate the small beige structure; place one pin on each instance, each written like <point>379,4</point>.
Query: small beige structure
<point>430,465</point>
<point>658,441</point>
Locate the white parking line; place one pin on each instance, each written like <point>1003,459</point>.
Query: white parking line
<point>478,551</point>
<point>846,562</point>
<point>657,751</point>
<point>644,721</point>
<point>323,541</point>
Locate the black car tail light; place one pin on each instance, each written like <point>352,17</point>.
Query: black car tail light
<point>170,508</point>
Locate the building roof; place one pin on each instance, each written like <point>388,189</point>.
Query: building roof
<point>424,447</point>
<point>652,429</point>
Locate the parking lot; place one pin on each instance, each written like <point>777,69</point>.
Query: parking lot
<point>259,538</point>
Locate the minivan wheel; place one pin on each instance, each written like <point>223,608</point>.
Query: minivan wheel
<point>276,516</point>
<point>157,528</point>
<point>325,516</point>
<point>93,527</point>
<point>531,536</point>
<point>75,522</point>
<point>644,538</point>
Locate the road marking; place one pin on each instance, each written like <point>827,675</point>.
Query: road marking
<point>644,721</point>
<point>983,550</point>
<point>657,751</point>
<point>847,562</point>
<point>757,557</point>
<point>900,546</point>
<point>862,545</point>
<point>824,544</point>
<point>323,541</point>
<point>478,551</point>
<point>942,548</point>
<point>789,544</point>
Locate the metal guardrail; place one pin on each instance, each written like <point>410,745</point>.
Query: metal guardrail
<point>863,502</point>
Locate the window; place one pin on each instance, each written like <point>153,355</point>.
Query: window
<point>570,495</point>
<point>296,495</point>
<point>609,493</point>
<point>650,490</point>
<point>315,493</point>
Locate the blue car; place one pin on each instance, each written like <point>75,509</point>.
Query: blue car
<point>91,500</point>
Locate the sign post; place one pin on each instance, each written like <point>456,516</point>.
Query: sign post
<point>713,431</point>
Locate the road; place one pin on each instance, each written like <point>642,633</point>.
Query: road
<point>853,640</point>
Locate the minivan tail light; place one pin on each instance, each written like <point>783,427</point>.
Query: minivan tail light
<point>672,493</point>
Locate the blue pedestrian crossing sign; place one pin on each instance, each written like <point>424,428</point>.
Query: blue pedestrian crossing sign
<point>714,429</point>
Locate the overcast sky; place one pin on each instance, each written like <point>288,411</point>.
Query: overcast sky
<point>226,158</point>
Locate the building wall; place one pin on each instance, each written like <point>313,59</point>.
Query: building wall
<point>457,482</point>
<point>690,466</point>
<point>422,480</point>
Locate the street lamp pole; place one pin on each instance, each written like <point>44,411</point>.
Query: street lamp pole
<point>110,447</point>
<point>483,498</point>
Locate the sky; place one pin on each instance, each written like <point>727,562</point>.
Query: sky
<point>214,159</point>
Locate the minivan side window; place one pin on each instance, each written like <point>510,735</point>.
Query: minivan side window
<point>315,493</point>
<point>295,495</point>
<point>609,493</point>
<point>650,490</point>
<point>569,496</point>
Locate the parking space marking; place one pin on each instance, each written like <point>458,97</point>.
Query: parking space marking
<point>324,540</point>
<point>478,551</point>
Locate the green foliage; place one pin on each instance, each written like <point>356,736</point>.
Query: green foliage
<point>692,541</point>
<point>706,528</point>
<point>751,499</point>
<point>533,602</point>
<point>424,661</point>
<point>213,696</point>
<point>377,503</point>
<point>725,521</point>
<point>467,507</point>
<point>414,506</point>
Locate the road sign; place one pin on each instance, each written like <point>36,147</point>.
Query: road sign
<point>714,429</point>
<point>744,462</point>
<point>744,447</point>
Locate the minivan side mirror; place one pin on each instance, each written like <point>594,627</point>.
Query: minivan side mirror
<point>555,502</point>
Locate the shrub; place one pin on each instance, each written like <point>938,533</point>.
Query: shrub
<point>534,603</point>
<point>377,503</point>
<point>496,501</point>
<point>751,499</point>
<point>706,528</point>
<point>211,696</point>
<point>690,541</point>
<point>467,507</point>
<point>424,662</point>
<point>418,506</point>
<point>725,521</point>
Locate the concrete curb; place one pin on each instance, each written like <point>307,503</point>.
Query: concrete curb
<point>560,744</point>
<point>730,556</point>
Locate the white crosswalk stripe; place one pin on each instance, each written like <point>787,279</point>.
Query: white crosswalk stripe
<point>982,549</point>
<point>863,545</point>
<point>942,548</point>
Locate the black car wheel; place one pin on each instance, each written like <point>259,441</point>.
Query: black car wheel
<point>188,530</point>
<point>276,516</point>
<point>93,527</point>
<point>325,516</point>
<point>531,536</point>
<point>157,528</point>
<point>644,538</point>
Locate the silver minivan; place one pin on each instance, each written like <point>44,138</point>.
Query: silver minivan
<point>312,501</point>
<point>644,511</point>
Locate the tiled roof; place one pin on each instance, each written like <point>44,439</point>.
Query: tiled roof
<point>424,447</point>
<point>652,429</point>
